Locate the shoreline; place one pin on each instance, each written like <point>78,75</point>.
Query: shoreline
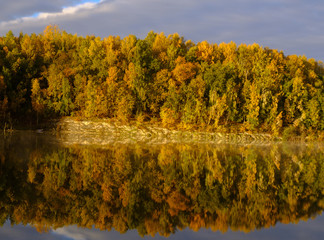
<point>107,131</point>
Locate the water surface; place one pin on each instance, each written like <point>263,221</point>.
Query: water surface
<point>54,190</point>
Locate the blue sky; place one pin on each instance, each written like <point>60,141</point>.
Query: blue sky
<point>294,26</point>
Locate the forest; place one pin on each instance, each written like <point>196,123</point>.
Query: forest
<point>164,80</point>
<point>160,188</point>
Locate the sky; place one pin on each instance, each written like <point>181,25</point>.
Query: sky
<point>293,26</point>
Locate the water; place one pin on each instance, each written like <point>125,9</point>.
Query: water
<point>51,189</point>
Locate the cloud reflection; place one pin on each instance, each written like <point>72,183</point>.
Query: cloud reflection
<point>70,232</point>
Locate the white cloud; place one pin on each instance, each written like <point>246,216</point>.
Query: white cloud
<point>50,15</point>
<point>11,10</point>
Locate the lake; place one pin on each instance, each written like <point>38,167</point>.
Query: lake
<point>53,189</point>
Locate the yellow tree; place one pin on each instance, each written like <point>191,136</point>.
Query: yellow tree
<point>50,39</point>
<point>37,98</point>
<point>228,51</point>
<point>160,47</point>
<point>206,52</point>
<point>253,107</point>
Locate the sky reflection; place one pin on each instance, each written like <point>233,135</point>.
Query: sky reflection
<point>312,229</point>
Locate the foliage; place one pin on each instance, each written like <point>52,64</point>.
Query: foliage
<point>177,82</point>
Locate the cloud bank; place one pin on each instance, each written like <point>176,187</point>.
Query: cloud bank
<point>11,10</point>
<point>294,26</point>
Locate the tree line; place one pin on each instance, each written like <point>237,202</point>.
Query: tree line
<point>161,79</point>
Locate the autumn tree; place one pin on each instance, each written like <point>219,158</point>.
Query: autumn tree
<point>163,78</point>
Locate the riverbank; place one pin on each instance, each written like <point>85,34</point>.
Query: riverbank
<point>104,131</point>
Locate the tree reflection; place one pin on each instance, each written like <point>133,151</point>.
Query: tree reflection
<point>161,188</point>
